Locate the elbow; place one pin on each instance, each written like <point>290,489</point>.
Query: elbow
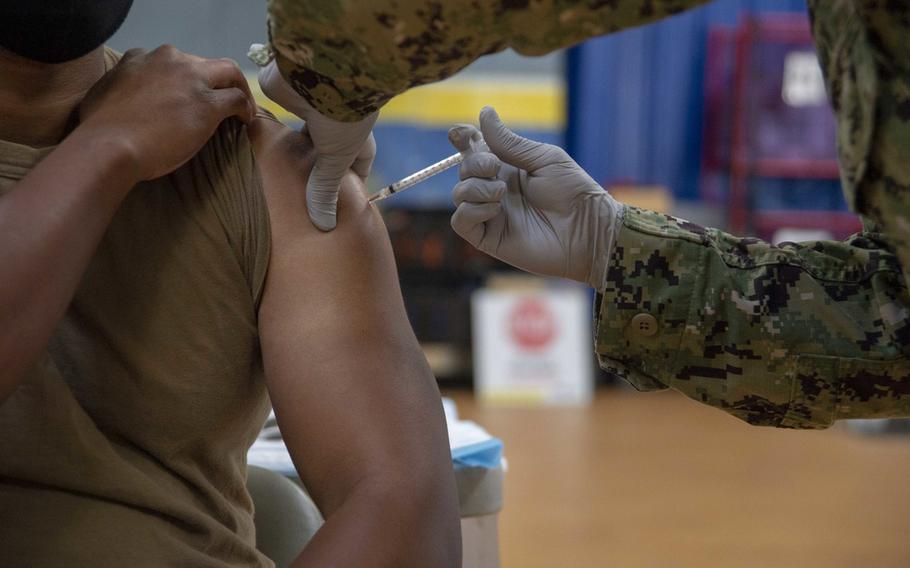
<point>434,494</point>
<point>433,511</point>
<point>390,521</point>
<point>426,519</point>
<point>442,502</point>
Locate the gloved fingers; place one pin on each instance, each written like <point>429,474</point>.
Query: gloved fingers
<point>363,163</point>
<point>322,191</point>
<point>479,164</point>
<point>275,87</point>
<point>332,138</point>
<point>477,190</point>
<point>469,218</point>
<point>464,137</point>
<point>514,149</point>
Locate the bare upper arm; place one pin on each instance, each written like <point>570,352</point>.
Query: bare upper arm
<point>348,381</point>
<point>349,267</point>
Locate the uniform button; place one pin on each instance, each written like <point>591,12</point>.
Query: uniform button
<point>644,325</point>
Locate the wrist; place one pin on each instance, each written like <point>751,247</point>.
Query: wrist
<point>114,153</point>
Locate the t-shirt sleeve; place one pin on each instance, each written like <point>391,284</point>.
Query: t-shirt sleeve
<point>238,200</point>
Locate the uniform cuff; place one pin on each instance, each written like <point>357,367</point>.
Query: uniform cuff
<point>642,312</point>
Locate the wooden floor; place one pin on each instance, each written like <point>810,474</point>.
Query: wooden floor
<point>657,480</point>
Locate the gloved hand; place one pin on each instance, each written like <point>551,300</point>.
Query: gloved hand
<point>530,205</point>
<point>339,146</point>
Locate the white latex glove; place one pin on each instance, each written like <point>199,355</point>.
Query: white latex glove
<point>339,146</point>
<point>530,205</point>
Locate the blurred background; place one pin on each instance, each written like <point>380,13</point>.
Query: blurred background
<point>718,115</point>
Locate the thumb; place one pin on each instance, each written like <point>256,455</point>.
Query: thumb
<point>322,192</point>
<point>510,147</point>
<point>464,137</point>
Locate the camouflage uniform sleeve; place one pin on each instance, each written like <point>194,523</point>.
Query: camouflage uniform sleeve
<point>348,57</point>
<point>862,46</point>
<point>796,335</point>
<point>801,334</point>
<point>863,51</point>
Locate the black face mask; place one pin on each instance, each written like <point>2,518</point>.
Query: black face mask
<point>54,31</point>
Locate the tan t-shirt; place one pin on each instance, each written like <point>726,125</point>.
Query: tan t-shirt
<point>126,444</point>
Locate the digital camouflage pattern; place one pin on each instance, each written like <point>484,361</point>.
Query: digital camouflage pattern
<point>796,335</point>
<point>349,57</point>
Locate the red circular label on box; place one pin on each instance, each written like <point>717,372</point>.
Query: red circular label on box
<point>532,324</point>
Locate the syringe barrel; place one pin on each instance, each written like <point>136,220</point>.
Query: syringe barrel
<point>427,172</point>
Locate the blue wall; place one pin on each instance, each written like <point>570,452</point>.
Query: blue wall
<point>636,97</point>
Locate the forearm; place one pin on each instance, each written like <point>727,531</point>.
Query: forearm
<point>361,54</point>
<point>50,225</point>
<point>792,336</point>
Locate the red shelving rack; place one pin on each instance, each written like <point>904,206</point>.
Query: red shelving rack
<point>743,120</point>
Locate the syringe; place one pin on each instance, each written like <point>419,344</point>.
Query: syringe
<point>417,177</point>
<point>477,145</point>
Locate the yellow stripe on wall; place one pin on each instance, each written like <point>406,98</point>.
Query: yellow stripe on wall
<point>522,103</point>
<point>536,105</point>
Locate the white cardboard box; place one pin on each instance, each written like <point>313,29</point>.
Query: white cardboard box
<point>533,346</point>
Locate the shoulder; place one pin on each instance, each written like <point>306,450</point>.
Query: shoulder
<point>333,276</point>
<point>284,159</point>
